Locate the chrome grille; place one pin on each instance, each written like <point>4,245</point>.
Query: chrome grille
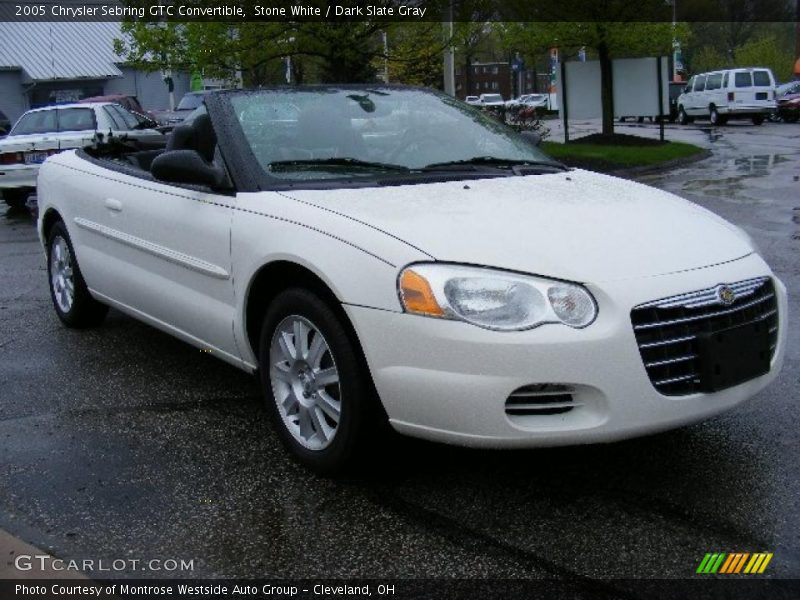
<point>666,330</point>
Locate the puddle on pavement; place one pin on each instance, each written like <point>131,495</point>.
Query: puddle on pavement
<point>725,177</point>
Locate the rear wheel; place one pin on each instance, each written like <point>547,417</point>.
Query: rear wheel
<point>758,119</point>
<point>319,393</point>
<point>71,298</point>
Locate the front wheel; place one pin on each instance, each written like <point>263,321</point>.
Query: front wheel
<point>319,393</point>
<point>16,198</point>
<point>71,298</point>
<point>683,118</point>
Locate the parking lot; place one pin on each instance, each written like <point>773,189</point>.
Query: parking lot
<point>123,442</point>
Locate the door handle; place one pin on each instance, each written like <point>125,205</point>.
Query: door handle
<point>112,204</point>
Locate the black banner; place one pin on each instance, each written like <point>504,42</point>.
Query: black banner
<point>734,587</point>
<point>399,10</point>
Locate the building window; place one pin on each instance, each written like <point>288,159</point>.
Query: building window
<point>477,70</point>
<point>495,70</point>
<point>495,85</point>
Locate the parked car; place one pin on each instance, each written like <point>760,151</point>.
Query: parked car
<point>491,100</point>
<point>5,124</point>
<point>789,101</point>
<point>729,94</point>
<point>130,103</point>
<point>437,272</point>
<point>474,100</point>
<point>188,103</point>
<point>535,101</point>
<point>42,132</point>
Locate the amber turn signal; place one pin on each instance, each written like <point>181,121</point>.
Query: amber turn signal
<point>417,295</point>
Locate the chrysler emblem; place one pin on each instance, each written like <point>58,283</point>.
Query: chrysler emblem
<point>725,295</point>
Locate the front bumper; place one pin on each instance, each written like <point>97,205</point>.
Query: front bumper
<point>18,176</point>
<point>449,381</point>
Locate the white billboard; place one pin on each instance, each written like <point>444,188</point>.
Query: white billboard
<point>635,83</point>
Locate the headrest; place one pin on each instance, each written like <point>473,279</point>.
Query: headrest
<point>196,135</point>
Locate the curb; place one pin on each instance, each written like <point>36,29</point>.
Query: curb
<point>661,167</point>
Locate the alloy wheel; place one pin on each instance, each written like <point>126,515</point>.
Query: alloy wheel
<point>62,277</point>
<point>305,382</point>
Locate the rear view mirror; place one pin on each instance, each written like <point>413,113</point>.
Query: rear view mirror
<point>186,166</point>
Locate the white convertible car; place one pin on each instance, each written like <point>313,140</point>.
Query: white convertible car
<point>391,255</point>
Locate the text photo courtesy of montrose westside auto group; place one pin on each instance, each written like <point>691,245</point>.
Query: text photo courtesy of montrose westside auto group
<point>404,299</point>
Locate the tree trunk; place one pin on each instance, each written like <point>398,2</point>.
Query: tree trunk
<point>606,89</point>
<point>467,75</point>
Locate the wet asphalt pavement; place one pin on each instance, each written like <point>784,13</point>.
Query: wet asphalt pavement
<point>122,442</point>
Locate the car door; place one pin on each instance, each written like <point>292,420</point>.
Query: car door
<point>76,127</point>
<point>714,93</point>
<point>122,122</point>
<point>697,104</point>
<point>162,252</point>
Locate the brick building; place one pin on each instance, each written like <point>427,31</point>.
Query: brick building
<point>496,78</point>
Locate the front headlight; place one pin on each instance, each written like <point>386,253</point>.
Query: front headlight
<point>493,299</point>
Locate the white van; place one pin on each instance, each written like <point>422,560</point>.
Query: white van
<point>729,94</point>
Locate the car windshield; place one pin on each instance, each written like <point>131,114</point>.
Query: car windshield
<point>323,133</point>
<point>190,102</point>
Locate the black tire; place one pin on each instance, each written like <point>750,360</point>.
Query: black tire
<point>714,116</point>
<point>16,198</point>
<point>758,119</point>
<point>84,310</point>
<point>361,419</point>
<point>683,118</point>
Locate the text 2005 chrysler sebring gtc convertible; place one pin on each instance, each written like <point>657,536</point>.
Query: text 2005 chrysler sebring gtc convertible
<point>391,253</point>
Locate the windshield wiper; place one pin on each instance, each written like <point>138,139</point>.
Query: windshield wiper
<point>493,161</point>
<point>344,161</point>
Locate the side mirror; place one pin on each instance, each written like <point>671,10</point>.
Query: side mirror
<point>533,138</point>
<point>186,166</point>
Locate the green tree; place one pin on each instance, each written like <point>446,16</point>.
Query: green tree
<point>415,54</point>
<point>325,52</point>
<point>766,52</point>
<point>708,58</point>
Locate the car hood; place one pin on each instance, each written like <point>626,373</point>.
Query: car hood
<point>575,225</point>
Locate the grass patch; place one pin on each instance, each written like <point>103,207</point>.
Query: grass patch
<point>604,157</point>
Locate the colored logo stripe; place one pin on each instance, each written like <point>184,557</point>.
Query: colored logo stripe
<point>723,563</point>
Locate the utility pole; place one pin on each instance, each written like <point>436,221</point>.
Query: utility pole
<point>449,54</point>
<point>385,56</point>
